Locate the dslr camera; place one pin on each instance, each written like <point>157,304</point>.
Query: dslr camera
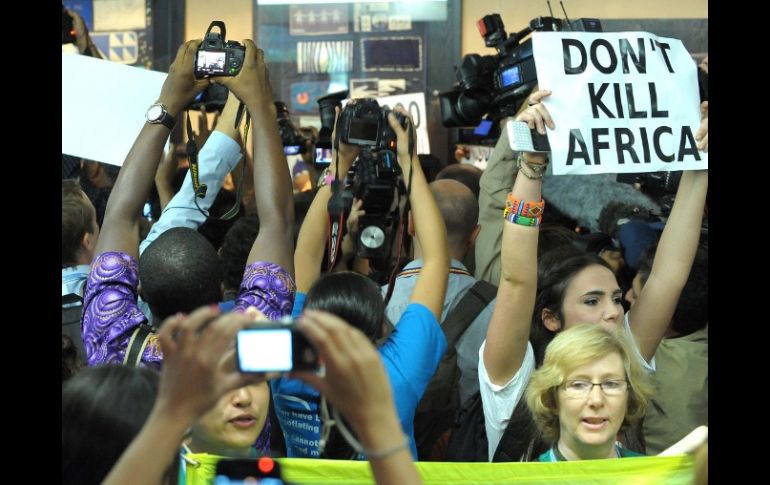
<point>215,57</point>
<point>497,84</point>
<point>365,124</point>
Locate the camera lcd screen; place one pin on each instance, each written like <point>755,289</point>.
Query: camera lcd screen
<point>323,156</point>
<point>363,131</point>
<point>511,76</point>
<point>483,128</point>
<point>264,350</point>
<point>211,62</point>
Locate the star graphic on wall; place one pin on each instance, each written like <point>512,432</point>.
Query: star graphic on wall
<point>311,18</point>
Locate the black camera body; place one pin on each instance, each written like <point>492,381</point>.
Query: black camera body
<point>364,123</point>
<point>67,29</point>
<point>375,180</point>
<point>496,85</point>
<point>217,57</point>
<point>294,142</point>
<point>213,98</point>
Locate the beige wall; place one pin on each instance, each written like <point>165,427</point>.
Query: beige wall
<point>236,14</point>
<point>516,14</point>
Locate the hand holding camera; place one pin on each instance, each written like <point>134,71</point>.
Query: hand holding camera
<point>402,125</point>
<point>274,347</point>
<point>181,86</point>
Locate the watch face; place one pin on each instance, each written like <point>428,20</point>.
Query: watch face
<point>154,113</point>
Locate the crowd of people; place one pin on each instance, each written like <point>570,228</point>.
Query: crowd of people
<point>568,352</point>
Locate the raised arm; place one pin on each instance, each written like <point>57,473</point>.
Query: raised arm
<point>508,331</point>
<point>651,314</point>
<point>272,180</point>
<point>430,288</point>
<point>219,155</point>
<point>120,230</point>
<point>496,182</point>
<point>311,242</point>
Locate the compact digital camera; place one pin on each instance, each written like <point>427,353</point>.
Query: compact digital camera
<point>274,347</point>
<point>217,57</point>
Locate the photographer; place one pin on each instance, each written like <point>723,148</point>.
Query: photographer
<point>412,352</point>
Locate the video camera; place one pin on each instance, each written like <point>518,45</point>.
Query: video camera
<point>292,139</point>
<point>375,178</point>
<point>215,57</point>
<point>497,84</point>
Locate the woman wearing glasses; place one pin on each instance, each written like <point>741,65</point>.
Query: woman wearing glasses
<point>570,288</point>
<point>589,388</point>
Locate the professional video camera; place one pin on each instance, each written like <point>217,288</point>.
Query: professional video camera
<point>67,30</point>
<point>215,57</point>
<point>497,84</point>
<point>375,181</point>
<point>293,140</point>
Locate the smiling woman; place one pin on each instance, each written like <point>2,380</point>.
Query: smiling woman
<point>589,387</point>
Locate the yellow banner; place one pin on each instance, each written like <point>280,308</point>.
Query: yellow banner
<point>671,470</point>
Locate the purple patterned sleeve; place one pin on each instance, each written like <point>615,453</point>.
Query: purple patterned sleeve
<point>269,288</point>
<point>110,313</point>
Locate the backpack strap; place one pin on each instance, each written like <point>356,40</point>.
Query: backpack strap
<point>137,344</point>
<point>71,314</point>
<point>465,312</point>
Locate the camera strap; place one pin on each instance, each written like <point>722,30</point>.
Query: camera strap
<point>337,214</point>
<point>200,189</point>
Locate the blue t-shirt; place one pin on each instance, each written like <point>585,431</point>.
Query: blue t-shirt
<point>410,355</point>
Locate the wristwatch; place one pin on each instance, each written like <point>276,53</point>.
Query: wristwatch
<point>158,113</point>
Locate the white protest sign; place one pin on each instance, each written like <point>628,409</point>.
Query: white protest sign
<point>622,102</point>
<point>103,106</point>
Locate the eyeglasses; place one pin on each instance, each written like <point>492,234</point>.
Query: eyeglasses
<point>610,387</point>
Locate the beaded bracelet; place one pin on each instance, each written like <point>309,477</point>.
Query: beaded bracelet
<point>523,213</point>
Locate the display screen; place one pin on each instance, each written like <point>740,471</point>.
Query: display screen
<point>264,350</point>
<point>511,76</point>
<point>483,128</point>
<point>363,131</point>
<point>211,62</point>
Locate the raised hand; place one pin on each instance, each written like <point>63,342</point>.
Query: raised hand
<point>252,84</point>
<point>181,86</point>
